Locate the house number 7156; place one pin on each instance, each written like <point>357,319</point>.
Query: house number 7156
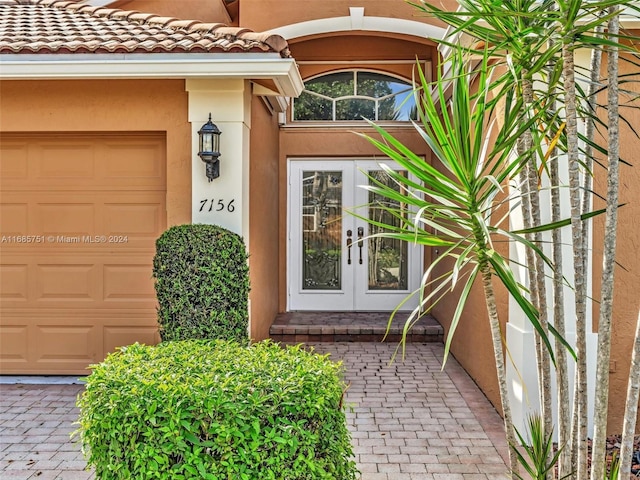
<point>217,206</point>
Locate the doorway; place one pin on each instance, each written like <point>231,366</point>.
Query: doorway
<point>335,261</point>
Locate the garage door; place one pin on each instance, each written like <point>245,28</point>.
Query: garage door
<point>79,215</point>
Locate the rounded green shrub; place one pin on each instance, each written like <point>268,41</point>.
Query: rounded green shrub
<point>215,410</point>
<point>202,283</point>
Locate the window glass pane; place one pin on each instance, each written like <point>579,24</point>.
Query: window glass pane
<point>396,102</point>
<point>311,107</point>
<point>355,109</point>
<point>333,85</point>
<point>406,104</point>
<point>400,107</point>
<point>387,109</point>
<point>377,85</point>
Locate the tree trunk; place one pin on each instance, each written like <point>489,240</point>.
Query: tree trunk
<point>594,86</point>
<point>580,399</point>
<point>496,336</point>
<point>598,465</point>
<point>535,265</point>
<point>562,379</point>
<point>541,301</point>
<point>590,128</point>
<point>631,408</point>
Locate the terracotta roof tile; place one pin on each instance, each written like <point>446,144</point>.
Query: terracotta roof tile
<point>64,26</point>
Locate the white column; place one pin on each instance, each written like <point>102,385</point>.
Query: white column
<point>225,200</point>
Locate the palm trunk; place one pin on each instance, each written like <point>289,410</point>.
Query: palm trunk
<point>590,128</point>
<point>496,336</point>
<point>535,265</point>
<point>598,465</point>
<point>580,399</point>
<point>540,302</point>
<point>569,458</point>
<point>631,408</point>
<point>562,380</point>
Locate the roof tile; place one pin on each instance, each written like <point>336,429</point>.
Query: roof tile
<point>64,26</point>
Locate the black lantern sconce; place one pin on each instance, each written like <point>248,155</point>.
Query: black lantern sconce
<point>210,148</point>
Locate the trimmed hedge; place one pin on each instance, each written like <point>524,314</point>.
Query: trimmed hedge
<point>202,283</point>
<point>216,410</point>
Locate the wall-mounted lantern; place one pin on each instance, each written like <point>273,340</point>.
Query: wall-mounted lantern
<point>210,148</point>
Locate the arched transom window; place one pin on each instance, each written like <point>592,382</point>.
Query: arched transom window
<point>355,95</point>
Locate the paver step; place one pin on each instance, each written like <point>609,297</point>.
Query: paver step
<point>296,327</point>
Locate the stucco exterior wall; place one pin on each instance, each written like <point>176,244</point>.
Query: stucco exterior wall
<point>472,344</point>
<point>358,46</point>
<point>627,275</point>
<point>204,10</point>
<point>263,219</point>
<point>394,56</point>
<point>110,106</point>
<point>285,12</point>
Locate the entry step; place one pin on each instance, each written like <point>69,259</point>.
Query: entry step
<point>302,327</point>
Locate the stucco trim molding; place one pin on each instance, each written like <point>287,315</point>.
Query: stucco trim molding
<point>282,71</point>
<point>358,21</point>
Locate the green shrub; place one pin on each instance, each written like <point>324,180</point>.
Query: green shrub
<point>215,410</point>
<point>202,283</point>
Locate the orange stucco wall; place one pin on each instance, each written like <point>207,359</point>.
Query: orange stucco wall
<point>110,106</point>
<point>627,275</point>
<point>386,54</point>
<point>472,345</point>
<point>285,12</point>
<point>263,219</point>
<point>204,10</point>
<point>358,46</point>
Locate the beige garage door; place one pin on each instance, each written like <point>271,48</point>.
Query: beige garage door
<point>79,215</point>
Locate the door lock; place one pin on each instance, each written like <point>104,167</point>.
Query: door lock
<point>360,241</point>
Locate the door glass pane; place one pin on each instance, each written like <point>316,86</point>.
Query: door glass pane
<point>321,230</point>
<point>387,257</point>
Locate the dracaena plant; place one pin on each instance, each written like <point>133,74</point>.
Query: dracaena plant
<point>537,457</point>
<point>457,199</point>
<point>536,41</point>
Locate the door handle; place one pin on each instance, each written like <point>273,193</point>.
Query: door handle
<point>349,243</point>
<point>360,235</point>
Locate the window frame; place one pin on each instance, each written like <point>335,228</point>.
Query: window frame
<point>410,87</point>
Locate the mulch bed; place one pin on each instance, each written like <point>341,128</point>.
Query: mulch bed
<point>613,446</point>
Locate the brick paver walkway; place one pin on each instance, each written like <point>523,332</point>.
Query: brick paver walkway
<point>36,422</point>
<point>409,420</point>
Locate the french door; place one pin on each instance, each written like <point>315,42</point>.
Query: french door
<point>334,262</point>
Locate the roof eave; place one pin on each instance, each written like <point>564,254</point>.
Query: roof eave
<point>283,71</point>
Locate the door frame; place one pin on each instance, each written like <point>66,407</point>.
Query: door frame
<point>354,296</point>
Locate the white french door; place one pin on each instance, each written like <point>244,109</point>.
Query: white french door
<point>333,263</point>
